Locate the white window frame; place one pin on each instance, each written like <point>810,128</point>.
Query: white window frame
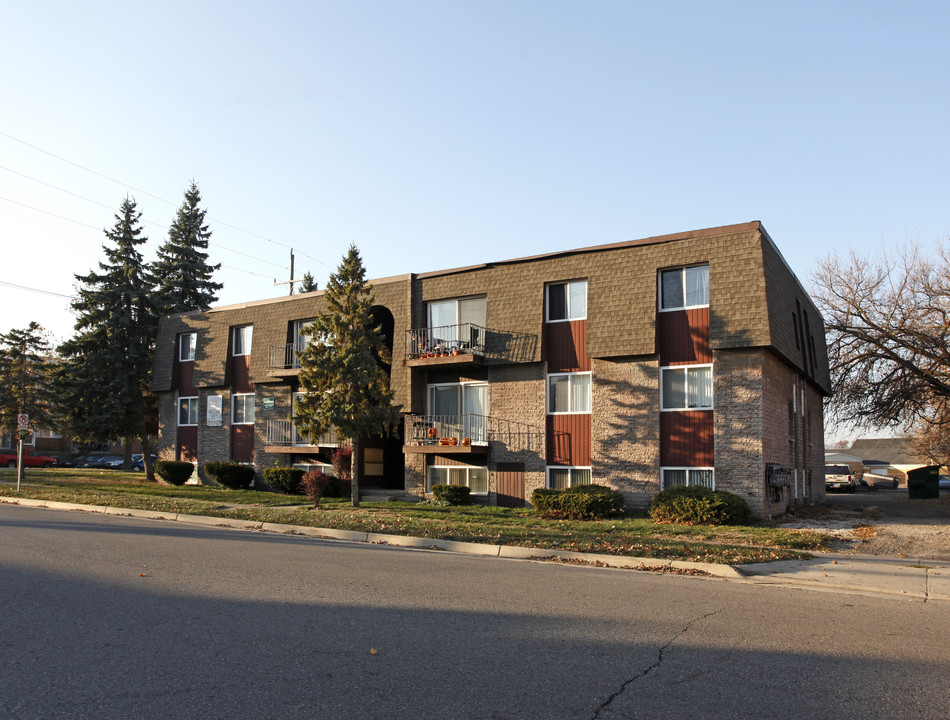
<point>234,405</point>
<point>567,301</point>
<point>214,410</point>
<point>192,346</point>
<point>683,270</point>
<point>570,474</point>
<point>570,394</point>
<point>192,401</point>
<point>246,342</point>
<point>689,470</point>
<point>685,369</point>
<point>461,396</point>
<point>458,309</point>
<point>468,481</point>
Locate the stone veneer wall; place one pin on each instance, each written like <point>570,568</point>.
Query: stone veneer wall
<point>517,392</point>
<point>737,398</point>
<point>625,432</point>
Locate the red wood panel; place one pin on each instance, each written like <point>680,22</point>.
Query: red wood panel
<point>568,439</point>
<point>240,375</point>
<point>510,478</point>
<point>565,346</point>
<point>186,449</point>
<point>185,378</point>
<point>683,336</point>
<point>686,439</point>
<point>242,443</point>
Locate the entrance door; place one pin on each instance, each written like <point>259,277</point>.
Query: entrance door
<point>510,484</point>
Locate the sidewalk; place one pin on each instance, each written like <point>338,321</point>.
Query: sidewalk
<point>924,580</point>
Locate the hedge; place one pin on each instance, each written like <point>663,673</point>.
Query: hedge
<point>174,472</point>
<point>453,494</point>
<point>698,505</point>
<point>230,474</point>
<point>581,502</point>
<point>284,480</point>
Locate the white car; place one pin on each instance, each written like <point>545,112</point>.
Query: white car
<point>839,477</point>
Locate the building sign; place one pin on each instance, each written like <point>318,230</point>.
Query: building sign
<point>214,410</point>
<point>267,403</point>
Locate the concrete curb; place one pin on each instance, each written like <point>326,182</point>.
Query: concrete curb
<point>512,552</point>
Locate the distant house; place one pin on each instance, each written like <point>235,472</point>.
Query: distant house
<point>888,456</point>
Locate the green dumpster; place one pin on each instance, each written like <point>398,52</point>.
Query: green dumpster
<point>924,483</point>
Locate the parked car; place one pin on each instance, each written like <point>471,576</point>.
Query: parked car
<point>31,458</point>
<point>109,462</point>
<point>839,477</point>
<point>88,461</point>
<point>945,482</point>
<point>138,462</point>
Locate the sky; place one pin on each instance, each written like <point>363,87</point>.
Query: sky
<point>437,134</point>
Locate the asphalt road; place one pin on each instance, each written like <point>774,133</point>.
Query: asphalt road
<point>112,617</point>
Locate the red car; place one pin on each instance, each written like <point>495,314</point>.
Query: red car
<point>31,458</point>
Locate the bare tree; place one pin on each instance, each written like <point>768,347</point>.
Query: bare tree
<point>888,326</point>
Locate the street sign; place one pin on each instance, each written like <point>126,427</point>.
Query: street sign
<point>22,421</point>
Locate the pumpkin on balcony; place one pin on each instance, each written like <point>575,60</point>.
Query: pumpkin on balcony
<point>433,433</point>
<point>443,441</point>
<point>466,441</point>
<point>453,441</point>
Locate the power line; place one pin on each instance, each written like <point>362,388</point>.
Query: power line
<point>36,290</point>
<point>156,197</point>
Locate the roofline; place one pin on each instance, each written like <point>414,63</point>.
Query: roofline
<point>656,240</point>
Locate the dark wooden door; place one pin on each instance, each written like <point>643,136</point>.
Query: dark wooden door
<point>510,484</point>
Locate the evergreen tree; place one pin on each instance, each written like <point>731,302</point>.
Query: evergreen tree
<point>26,372</point>
<point>107,363</point>
<point>182,269</point>
<point>308,284</point>
<point>341,373</point>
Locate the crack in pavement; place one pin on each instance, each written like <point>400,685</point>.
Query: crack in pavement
<point>659,661</point>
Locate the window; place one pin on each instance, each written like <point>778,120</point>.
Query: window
<point>242,409</point>
<point>684,288</point>
<point>457,323</point>
<point>672,477</point>
<point>460,410</point>
<point>186,346</point>
<point>188,411</point>
<point>687,387</point>
<point>567,301</point>
<point>301,337</point>
<point>560,478</point>
<point>242,340</point>
<point>569,393</point>
<point>474,478</point>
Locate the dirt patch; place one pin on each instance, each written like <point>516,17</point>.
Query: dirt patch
<point>881,522</point>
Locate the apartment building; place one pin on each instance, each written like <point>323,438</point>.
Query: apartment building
<point>693,358</point>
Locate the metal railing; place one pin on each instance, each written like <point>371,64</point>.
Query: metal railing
<point>285,433</point>
<point>284,357</point>
<point>447,340</point>
<point>433,429</point>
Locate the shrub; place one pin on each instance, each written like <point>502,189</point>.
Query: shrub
<point>284,479</point>
<point>698,505</point>
<point>452,494</point>
<point>174,472</point>
<point>314,485</point>
<point>581,502</point>
<point>230,474</point>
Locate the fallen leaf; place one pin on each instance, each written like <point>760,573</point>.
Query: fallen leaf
<point>373,651</point>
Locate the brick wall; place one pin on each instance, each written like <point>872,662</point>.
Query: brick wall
<point>625,433</point>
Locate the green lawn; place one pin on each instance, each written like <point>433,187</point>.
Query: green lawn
<point>622,535</point>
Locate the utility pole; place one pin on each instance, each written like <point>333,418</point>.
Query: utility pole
<point>292,278</point>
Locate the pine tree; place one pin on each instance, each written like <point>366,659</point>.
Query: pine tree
<point>182,269</point>
<point>345,386</point>
<point>308,284</point>
<point>26,371</point>
<point>107,363</point>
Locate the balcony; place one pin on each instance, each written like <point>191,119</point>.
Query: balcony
<point>460,434</point>
<point>467,344</point>
<point>282,436</point>
<point>282,359</point>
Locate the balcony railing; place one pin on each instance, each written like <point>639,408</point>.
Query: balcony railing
<point>447,429</point>
<point>284,357</point>
<point>285,433</point>
<point>466,338</point>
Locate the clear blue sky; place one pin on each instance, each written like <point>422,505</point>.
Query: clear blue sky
<point>437,134</point>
